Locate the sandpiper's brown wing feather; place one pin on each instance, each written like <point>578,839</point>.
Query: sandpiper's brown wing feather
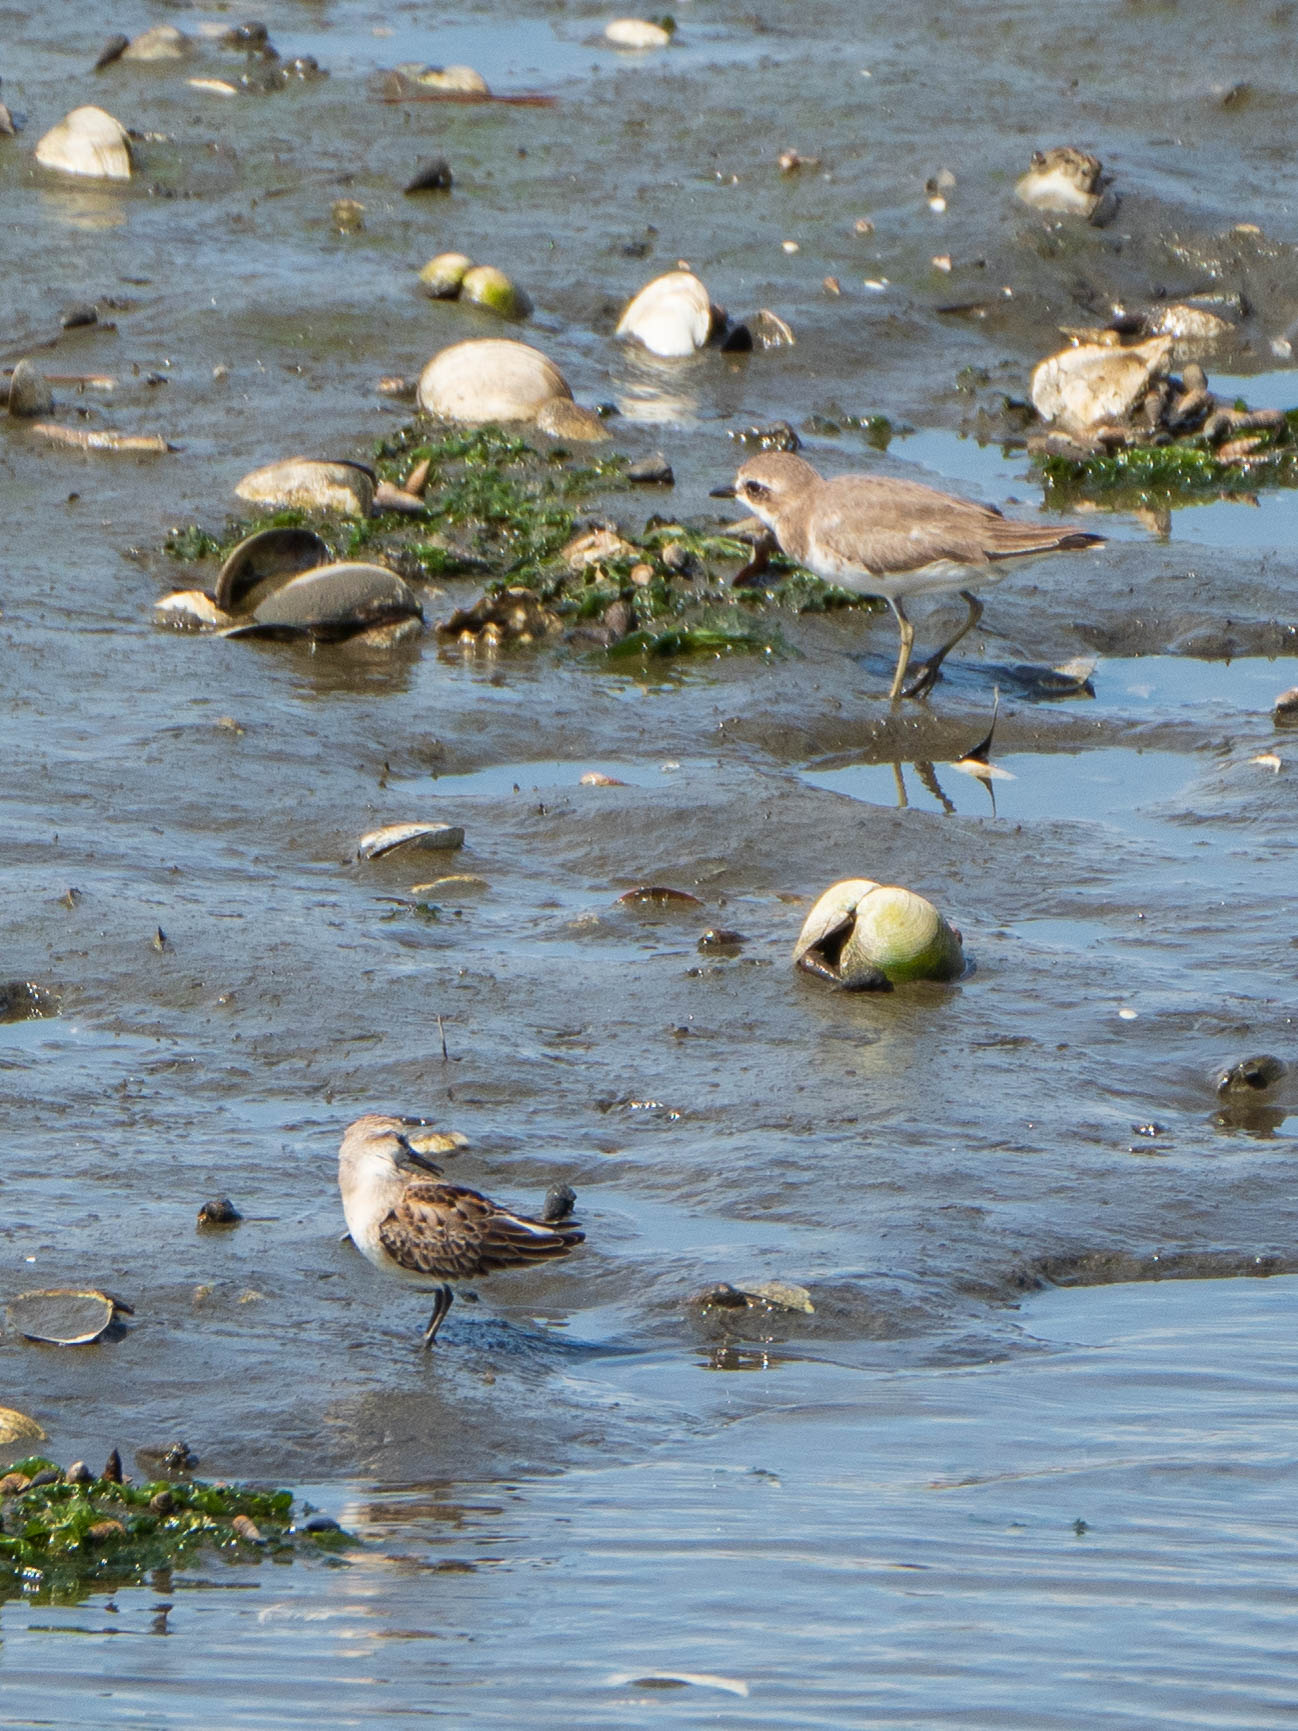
<point>451,1233</point>
<point>854,514</point>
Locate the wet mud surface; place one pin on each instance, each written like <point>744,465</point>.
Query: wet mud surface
<point>233,986</point>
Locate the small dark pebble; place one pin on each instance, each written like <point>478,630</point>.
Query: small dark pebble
<point>560,1200</point>
<point>47,1476</point>
<point>112,50</point>
<point>83,313</point>
<point>433,175</point>
<point>1251,1075</point>
<point>180,1458</point>
<point>252,36</point>
<point>775,436</point>
<point>738,340</point>
<point>653,471</point>
<point>113,1469</point>
<point>1285,711</point>
<point>219,1212</point>
<point>717,941</point>
<point>316,1524</point>
<point>723,1296</point>
<point>1150,1129</point>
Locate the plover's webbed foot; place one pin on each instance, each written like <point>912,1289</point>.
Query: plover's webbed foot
<point>926,679</point>
<point>444,1300</point>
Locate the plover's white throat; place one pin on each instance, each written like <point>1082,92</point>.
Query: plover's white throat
<point>406,1221</point>
<point>878,536</point>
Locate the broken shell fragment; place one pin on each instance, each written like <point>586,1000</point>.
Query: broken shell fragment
<point>270,553</point>
<point>1094,385</point>
<point>87,142</point>
<point>378,842</point>
<point>184,608</point>
<point>442,275</point>
<point>104,439</point>
<point>1064,180</point>
<point>762,1295</point>
<point>437,1141</point>
<point>489,379</point>
<point>1250,1077</point>
<point>29,391</point>
<point>333,602</point>
<point>671,316</point>
<point>868,936</point>
<point>25,1001</point>
<point>636,33</point>
<point>309,484</point>
<point>63,1317</point>
<point>461,80</point>
<point>658,896</point>
<point>15,1427</point>
<point>488,287</point>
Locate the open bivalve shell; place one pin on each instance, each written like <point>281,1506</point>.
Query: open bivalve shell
<point>671,316</point>
<point>333,602</point>
<point>489,379</point>
<point>869,936</point>
<point>259,558</point>
<point>87,142</point>
<point>64,1316</point>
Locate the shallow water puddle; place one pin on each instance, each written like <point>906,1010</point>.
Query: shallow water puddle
<point>1088,786</point>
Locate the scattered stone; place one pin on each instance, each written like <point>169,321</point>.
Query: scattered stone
<point>80,1474</point>
<point>347,215</point>
<point>1251,1076</point>
<point>113,1469</point>
<point>87,142</point>
<point>595,547</point>
<point>83,313</point>
<point>658,896</point>
<point>13,1484</point>
<point>717,941</point>
<point>560,1200</point>
<point>1285,710</point>
<point>1064,180</point>
<point>26,1001</point>
<point>220,1212</point>
<point>162,42</point>
<point>432,175</point>
<point>112,50</point>
<point>654,471</point>
<point>514,614</point>
<point>16,1426</point>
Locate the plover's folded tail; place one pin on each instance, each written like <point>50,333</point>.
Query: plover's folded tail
<point>1004,538</point>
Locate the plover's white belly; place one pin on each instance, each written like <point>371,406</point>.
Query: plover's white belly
<point>937,576</point>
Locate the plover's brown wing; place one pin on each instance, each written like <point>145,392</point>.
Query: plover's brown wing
<point>452,1233</point>
<point>888,527</point>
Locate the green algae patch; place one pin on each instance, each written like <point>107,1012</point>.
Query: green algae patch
<point>1165,475</point>
<point>62,1539</point>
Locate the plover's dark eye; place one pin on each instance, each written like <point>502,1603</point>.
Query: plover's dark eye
<point>755,490</point>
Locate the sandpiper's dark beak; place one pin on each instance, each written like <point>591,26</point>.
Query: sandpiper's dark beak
<point>722,492</point>
<point>412,1157</point>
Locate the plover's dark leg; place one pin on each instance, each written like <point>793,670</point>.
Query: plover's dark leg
<point>441,1305</point>
<point>927,676</point>
<point>907,631</point>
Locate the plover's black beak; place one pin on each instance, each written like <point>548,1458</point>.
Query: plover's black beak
<point>722,492</point>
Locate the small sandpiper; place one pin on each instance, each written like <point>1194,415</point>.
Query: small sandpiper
<point>430,1233</point>
<point>878,536</point>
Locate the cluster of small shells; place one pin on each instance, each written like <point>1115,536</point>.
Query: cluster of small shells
<point>454,276</point>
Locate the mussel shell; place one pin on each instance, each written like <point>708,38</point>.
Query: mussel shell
<point>489,379</point>
<point>269,553</point>
<point>61,1317</point>
<point>333,600</point>
<point>1251,1077</point>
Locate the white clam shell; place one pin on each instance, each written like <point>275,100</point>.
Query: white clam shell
<point>1095,385</point>
<point>309,484</point>
<point>671,316</point>
<point>489,379</point>
<point>636,33</point>
<point>87,142</point>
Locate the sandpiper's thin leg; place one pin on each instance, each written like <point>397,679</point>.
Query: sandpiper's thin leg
<point>907,631</point>
<point>927,676</point>
<point>441,1305</point>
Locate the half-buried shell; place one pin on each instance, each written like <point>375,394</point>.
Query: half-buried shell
<point>869,936</point>
<point>391,836</point>
<point>671,316</point>
<point>311,484</point>
<point>87,142</point>
<point>489,379</point>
